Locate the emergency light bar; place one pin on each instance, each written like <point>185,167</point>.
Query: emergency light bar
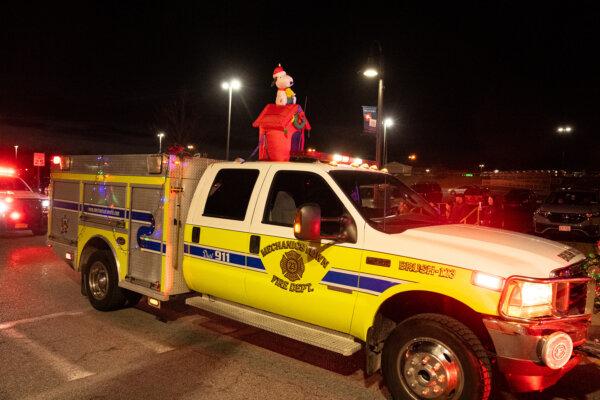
<point>333,159</point>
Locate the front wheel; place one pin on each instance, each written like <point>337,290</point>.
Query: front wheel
<point>432,356</point>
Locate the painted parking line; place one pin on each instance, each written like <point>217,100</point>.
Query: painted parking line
<point>12,324</point>
<point>64,367</point>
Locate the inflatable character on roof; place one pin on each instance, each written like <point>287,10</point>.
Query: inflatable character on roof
<point>284,82</point>
<point>281,125</point>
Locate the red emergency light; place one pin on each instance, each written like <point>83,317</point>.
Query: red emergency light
<point>15,215</point>
<point>6,171</point>
<point>56,160</point>
<point>312,154</point>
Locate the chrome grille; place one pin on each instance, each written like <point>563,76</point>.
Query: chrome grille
<point>567,218</point>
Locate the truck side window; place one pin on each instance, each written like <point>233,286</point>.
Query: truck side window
<point>230,194</point>
<point>291,189</point>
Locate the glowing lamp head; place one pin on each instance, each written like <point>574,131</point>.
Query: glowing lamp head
<point>370,72</point>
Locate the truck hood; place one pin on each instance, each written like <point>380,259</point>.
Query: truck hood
<point>489,250</point>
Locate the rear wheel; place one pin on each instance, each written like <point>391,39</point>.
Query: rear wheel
<point>431,356</point>
<point>100,278</point>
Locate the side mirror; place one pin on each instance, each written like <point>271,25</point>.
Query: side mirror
<point>307,223</point>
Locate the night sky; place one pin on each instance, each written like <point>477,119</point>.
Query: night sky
<point>467,83</point>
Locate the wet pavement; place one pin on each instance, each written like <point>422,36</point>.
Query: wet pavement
<point>54,345</point>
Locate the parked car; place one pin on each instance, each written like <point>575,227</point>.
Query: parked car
<point>460,190</point>
<point>20,207</point>
<point>525,200</point>
<point>431,191</point>
<point>569,211</point>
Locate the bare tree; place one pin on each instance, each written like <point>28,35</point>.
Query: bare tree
<point>179,119</point>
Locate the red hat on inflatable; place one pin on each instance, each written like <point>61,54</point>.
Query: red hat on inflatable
<point>277,70</point>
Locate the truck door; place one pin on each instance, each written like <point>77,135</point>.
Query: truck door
<point>295,283</point>
<point>217,238</point>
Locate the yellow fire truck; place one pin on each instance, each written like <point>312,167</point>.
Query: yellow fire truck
<point>332,253</point>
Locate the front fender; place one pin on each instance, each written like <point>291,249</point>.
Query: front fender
<point>460,288</point>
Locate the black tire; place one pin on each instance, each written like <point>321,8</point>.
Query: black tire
<point>39,228</point>
<point>101,282</point>
<point>426,347</point>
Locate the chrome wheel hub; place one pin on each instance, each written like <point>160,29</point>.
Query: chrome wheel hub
<point>429,370</point>
<point>98,280</point>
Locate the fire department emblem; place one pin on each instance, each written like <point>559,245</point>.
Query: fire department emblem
<point>292,265</point>
<point>64,226</point>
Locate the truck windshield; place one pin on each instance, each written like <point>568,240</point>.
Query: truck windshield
<point>10,183</point>
<point>386,203</point>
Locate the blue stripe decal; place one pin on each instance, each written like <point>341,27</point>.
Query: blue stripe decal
<point>255,262</point>
<point>142,216</point>
<point>341,278</point>
<point>224,256</point>
<point>105,211</point>
<point>375,285</point>
<point>151,245</point>
<point>66,205</point>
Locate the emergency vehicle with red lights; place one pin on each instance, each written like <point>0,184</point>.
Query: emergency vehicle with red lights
<point>20,207</point>
<point>330,251</point>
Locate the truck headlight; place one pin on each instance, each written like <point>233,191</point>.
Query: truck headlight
<point>528,299</point>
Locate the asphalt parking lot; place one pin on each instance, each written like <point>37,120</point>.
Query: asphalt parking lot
<point>54,345</point>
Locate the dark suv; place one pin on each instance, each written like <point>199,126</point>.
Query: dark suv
<point>569,211</point>
<point>431,191</point>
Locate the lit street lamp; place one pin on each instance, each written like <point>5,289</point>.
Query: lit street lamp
<point>160,136</point>
<point>481,167</point>
<point>231,85</point>
<point>373,70</point>
<point>386,122</point>
<point>564,131</point>
<point>412,157</point>
<point>190,147</point>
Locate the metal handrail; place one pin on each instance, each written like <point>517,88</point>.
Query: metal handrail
<point>475,210</point>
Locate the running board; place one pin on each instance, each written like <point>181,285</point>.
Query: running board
<point>288,327</point>
<point>143,290</point>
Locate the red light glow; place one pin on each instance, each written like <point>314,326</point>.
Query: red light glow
<point>5,171</point>
<point>56,160</point>
<point>15,215</point>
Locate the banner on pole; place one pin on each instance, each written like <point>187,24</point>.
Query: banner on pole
<point>369,120</point>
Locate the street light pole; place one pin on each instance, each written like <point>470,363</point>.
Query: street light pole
<point>160,136</point>
<point>371,71</point>
<point>229,123</point>
<point>231,85</point>
<point>563,131</point>
<point>386,122</point>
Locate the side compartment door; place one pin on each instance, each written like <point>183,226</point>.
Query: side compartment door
<point>146,247</point>
<point>216,237</point>
<point>311,282</point>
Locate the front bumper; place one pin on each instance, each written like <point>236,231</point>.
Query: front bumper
<point>587,228</point>
<point>518,347</point>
